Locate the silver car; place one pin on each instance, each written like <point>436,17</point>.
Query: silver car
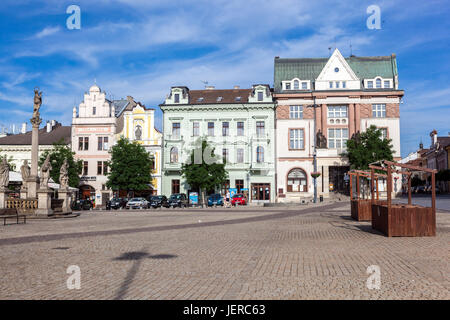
<point>137,203</point>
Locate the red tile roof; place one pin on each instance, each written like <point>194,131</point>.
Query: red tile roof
<point>45,138</point>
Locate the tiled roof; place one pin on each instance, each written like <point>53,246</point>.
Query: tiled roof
<point>45,138</point>
<point>310,68</point>
<point>214,96</point>
<point>119,106</point>
<point>443,141</point>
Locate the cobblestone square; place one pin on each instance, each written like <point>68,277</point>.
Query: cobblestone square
<point>301,252</point>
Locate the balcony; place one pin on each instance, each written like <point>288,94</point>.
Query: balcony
<point>174,137</point>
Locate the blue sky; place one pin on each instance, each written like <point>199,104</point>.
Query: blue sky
<point>143,47</point>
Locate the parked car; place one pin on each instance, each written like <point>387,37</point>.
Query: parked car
<point>117,203</point>
<point>428,189</point>
<point>215,200</point>
<point>158,201</point>
<point>178,200</point>
<point>238,199</point>
<point>82,204</point>
<point>137,203</point>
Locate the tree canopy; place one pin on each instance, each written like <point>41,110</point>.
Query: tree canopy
<point>367,147</point>
<point>10,160</point>
<point>60,152</point>
<point>130,167</point>
<point>204,175</point>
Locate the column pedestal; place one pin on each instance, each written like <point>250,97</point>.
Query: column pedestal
<point>3,197</point>
<point>44,202</point>
<point>66,195</point>
<point>32,187</point>
<point>24,192</point>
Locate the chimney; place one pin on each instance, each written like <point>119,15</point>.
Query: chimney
<point>24,128</point>
<point>53,122</point>
<point>236,87</point>
<point>209,87</point>
<point>49,126</point>
<point>433,136</point>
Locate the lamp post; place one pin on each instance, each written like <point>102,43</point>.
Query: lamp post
<point>315,152</point>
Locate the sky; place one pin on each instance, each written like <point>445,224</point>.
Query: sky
<point>143,47</point>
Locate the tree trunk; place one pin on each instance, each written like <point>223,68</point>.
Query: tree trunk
<point>203,198</point>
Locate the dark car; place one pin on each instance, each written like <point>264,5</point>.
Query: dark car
<point>215,200</point>
<point>158,201</point>
<point>82,205</point>
<point>178,200</point>
<point>117,203</point>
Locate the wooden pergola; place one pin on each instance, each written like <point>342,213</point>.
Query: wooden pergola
<point>361,208</point>
<point>403,219</point>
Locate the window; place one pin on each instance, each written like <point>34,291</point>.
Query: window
<point>387,84</point>
<point>259,128</point>
<point>237,99</point>
<point>296,85</point>
<point>210,128</point>
<point>344,84</point>
<point>225,155</point>
<point>337,84</point>
<point>174,155</point>
<point>200,99</point>
<point>260,96</point>
<point>225,129</point>
<point>80,143</point>
<point>240,128</point>
<point>379,110</point>
<point>177,98</point>
<point>259,154</point>
<point>240,155</point>
<point>225,186</point>
<point>370,84</point>
<point>99,167</point>
<point>219,99</point>
<point>239,185</point>
<point>196,129</point>
<point>296,112</point>
<point>175,186</point>
<point>288,86</point>
<point>337,112</point>
<point>102,143</point>
<point>94,110</point>
<point>378,83</point>
<point>85,168</point>
<point>297,181</point>
<point>384,133</point>
<point>296,139</point>
<point>105,168</point>
<point>176,129</point>
<point>337,138</point>
<point>331,85</point>
<point>304,85</point>
<point>86,143</point>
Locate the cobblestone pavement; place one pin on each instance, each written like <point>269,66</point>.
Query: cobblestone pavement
<point>302,252</point>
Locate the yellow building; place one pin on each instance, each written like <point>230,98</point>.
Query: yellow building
<point>137,123</point>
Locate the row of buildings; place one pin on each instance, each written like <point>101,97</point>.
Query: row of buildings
<point>268,135</point>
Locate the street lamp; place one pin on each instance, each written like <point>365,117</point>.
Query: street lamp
<point>315,152</point>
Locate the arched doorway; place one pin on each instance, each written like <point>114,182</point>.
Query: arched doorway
<point>297,181</point>
<point>87,192</point>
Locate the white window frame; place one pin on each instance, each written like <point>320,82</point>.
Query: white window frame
<point>297,139</point>
<point>379,110</point>
<point>337,112</point>
<point>337,138</point>
<point>295,112</point>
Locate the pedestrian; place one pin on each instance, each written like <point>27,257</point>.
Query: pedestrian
<point>227,199</point>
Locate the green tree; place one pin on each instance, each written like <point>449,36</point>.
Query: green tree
<point>130,167</point>
<point>12,166</point>
<point>204,175</point>
<point>60,152</point>
<point>367,147</point>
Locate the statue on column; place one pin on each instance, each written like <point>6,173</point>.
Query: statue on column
<point>64,175</point>
<point>25,171</point>
<point>4,174</point>
<point>321,141</point>
<point>45,172</point>
<point>37,105</point>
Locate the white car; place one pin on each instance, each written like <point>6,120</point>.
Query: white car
<point>137,203</point>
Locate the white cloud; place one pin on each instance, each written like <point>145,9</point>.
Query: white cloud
<point>47,31</point>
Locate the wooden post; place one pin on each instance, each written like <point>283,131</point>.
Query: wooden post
<point>389,186</point>
<point>377,186</point>
<point>351,186</point>
<point>357,186</point>
<point>372,177</point>
<point>433,193</point>
<point>409,190</point>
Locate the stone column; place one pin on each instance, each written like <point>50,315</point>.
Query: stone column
<point>33,179</point>
<point>65,195</point>
<point>44,202</point>
<point>3,197</point>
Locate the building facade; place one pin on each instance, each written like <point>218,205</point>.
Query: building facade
<point>321,102</point>
<point>238,123</point>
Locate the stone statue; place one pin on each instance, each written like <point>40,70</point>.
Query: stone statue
<point>64,175</point>
<point>37,105</point>
<point>4,174</point>
<point>45,172</point>
<point>25,171</point>
<point>321,141</point>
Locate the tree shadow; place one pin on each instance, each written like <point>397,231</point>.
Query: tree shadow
<point>137,257</point>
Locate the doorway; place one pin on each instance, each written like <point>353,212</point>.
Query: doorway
<point>261,192</point>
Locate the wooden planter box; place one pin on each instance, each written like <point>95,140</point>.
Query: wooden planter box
<point>403,220</point>
<point>361,210</point>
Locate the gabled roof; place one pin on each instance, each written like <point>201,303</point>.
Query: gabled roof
<point>119,106</point>
<point>219,96</point>
<point>45,138</point>
<point>310,68</point>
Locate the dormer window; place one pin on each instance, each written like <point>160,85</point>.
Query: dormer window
<point>378,83</point>
<point>219,99</point>
<point>237,99</point>
<point>337,84</point>
<point>331,85</point>
<point>370,84</point>
<point>344,84</point>
<point>304,85</point>
<point>288,86</point>
<point>296,85</point>
<point>387,84</point>
<point>177,98</point>
<point>260,96</point>
<point>200,99</point>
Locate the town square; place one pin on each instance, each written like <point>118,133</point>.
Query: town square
<point>151,152</point>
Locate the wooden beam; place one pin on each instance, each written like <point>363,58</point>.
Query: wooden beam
<point>409,166</point>
<point>372,177</point>
<point>409,190</point>
<point>433,193</point>
<point>357,186</point>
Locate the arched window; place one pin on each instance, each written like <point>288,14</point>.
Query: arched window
<point>259,154</point>
<point>297,181</point>
<point>378,83</point>
<point>296,85</point>
<point>174,155</point>
<point>138,133</point>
